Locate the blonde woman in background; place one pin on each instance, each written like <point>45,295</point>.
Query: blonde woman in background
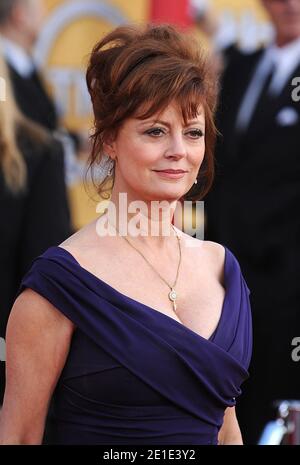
<point>33,205</point>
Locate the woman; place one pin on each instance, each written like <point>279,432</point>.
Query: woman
<point>140,343</point>
<point>31,187</point>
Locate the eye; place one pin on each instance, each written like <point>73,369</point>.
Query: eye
<point>196,133</point>
<point>155,132</point>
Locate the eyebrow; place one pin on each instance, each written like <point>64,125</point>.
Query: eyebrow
<point>165,123</point>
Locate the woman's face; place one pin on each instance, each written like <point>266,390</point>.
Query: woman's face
<point>146,148</point>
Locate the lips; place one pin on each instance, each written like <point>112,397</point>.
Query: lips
<point>171,171</point>
<point>170,174</point>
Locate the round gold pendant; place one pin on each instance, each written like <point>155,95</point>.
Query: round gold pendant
<point>172,295</point>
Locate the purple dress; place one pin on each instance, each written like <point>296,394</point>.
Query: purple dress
<point>134,375</point>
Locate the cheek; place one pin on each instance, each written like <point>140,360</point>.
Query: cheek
<point>136,154</point>
<point>132,163</point>
<point>202,153</point>
<point>198,156</point>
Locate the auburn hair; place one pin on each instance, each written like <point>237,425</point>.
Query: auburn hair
<point>138,70</point>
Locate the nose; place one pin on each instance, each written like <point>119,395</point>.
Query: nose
<point>176,147</point>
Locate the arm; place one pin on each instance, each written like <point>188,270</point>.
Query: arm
<point>38,338</point>
<point>230,433</point>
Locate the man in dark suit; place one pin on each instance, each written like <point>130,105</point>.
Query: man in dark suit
<point>254,206</point>
<point>20,25</point>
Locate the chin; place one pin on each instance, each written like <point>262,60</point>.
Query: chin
<point>167,195</point>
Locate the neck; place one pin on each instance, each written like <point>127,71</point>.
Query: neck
<point>149,225</point>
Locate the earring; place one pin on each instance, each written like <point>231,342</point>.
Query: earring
<point>110,167</point>
<point>196,181</point>
<point>104,168</point>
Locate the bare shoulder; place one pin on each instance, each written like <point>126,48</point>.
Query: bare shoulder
<point>215,253</point>
<point>212,251</point>
<point>85,235</point>
<point>82,241</point>
<point>33,311</point>
<point>207,254</point>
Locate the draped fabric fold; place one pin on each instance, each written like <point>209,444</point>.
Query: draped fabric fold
<point>133,374</point>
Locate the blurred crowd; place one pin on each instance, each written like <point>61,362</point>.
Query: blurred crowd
<point>38,156</point>
<point>252,207</point>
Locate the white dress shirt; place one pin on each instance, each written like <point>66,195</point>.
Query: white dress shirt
<point>285,59</point>
<point>24,65</point>
<point>17,57</point>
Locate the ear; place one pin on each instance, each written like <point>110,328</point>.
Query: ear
<point>109,146</point>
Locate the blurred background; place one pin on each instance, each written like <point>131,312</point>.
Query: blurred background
<point>45,121</point>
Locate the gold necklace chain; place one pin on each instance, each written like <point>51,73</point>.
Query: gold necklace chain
<point>172,294</point>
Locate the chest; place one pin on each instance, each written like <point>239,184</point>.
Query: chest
<point>200,296</point>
